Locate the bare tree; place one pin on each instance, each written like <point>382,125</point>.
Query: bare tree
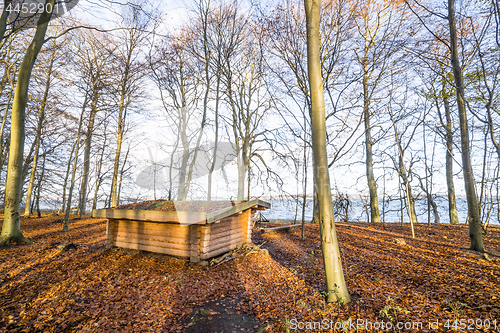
<point>136,23</point>
<point>380,25</point>
<point>336,287</point>
<point>41,119</point>
<point>11,229</point>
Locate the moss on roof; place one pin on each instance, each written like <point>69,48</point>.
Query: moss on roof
<point>180,206</point>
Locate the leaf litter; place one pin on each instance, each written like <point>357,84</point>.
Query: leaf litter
<point>52,287</point>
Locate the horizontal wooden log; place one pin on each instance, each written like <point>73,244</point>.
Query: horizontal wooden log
<point>213,247</point>
<point>143,225</point>
<point>149,243</point>
<point>253,204</point>
<point>216,235</point>
<point>225,226</point>
<point>173,242</point>
<point>275,229</point>
<point>221,240</point>
<point>160,233</point>
<point>151,215</point>
<point>152,248</point>
<point>208,255</point>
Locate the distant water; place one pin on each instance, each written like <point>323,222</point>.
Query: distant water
<point>286,208</point>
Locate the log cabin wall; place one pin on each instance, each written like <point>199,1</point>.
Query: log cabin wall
<point>195,242</point>
<point>159,237</point>
<point>208,241</point>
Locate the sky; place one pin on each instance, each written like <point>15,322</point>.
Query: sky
<point>152,147</point>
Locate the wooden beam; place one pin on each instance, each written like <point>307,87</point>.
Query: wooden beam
<point>194,249</point>
<point>285,227</point>
<point>152,248</point>
<point>152,242</point>
<point>151,215</point>
<point>231,243</point>
<point>208,255</point>
<point>167,240</point>
<point>213,217</point>
<point>109,226</point>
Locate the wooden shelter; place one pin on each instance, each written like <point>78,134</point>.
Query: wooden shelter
<point>194,235</point>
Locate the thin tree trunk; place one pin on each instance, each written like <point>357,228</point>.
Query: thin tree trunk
<point>452,201</point>
<point>98,174</point>
<point>122,112</point>
<point>122,172</point>
<point>181,190</point>
<point>304,188</point>
<point>216,142</point>
<point>86,155</point>
<point>41,119</point>
<point>336,287</point>
<point>383,205</point>
<point>39,188</point>
<point>410,201</point>
<point>401,202</point>
<point>424,138</point>
<point>248,184</point>
<point>483,176</point>
<point>372,185</point>
<point>73,173</point>
<point>241,178</point>
<point>475,233</point>
<point>2,128</point>
<point>114,181</point>
<point>68,168</point>
<point>11,228</point>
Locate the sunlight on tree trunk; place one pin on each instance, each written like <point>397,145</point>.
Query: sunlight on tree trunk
<point>475,232</point>
<point>452,201</point>
<point>336,287</point>
<point>41,118</point>
<point>11,229</point>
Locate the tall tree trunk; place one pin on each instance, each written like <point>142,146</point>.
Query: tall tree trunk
<point>98,178</point>
<point>39,188</point>
<point>427,192</point>
<point>372,185</point>
<point>241,176</point>
<point>304,188</point>
<point>122,112</point>
<point>2,128</point>
<point>336,286</point>
<point>3,19</point>
<point>405,181</point>
<point>122,172</point>
<point>86,155</point>
<point>41,119</point>
<point>73,173</point>
<point>452,201</point>
<point>409,197</point>
<point>181,191</point>
<point>475,233</point>
<point>11,228</point>
<point>114,181</point>
<point>216,142</point>
<point>68,169</point>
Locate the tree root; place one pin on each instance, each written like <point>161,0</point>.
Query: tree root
<point>20,239</point>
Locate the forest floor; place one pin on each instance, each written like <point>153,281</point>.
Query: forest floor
<point>431,280</point>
